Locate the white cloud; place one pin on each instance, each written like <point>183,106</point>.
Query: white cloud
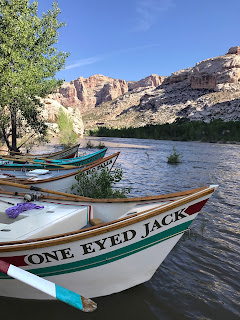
<point>148,11</point>
<point>82,62</point>
<point>87,61</point>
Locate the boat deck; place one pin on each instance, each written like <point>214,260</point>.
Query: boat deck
<point>53,219</point>
<point>34,175</point>
<point>57,218</point>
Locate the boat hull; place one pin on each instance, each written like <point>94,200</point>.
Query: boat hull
<point>62,180</point>
<point>64,154</point>
<point>108,259</point>
<point>103,280</point>
<point>51,165</point>
<point>67,153</point>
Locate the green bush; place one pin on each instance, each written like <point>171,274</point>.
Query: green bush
<point>101,145</point>
<point>100,185</point>
<point>65,123</point>
<point>90,145</point>
<point>174,157</point>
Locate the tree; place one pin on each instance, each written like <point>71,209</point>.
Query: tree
<point>28,64</point>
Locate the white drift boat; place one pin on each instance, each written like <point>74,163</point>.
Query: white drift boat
<point>57,179</point>
<point>93,247</point>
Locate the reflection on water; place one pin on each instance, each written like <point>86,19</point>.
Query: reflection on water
<point>200,277</point>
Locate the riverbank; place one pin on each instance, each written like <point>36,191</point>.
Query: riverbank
<point>216,131</point>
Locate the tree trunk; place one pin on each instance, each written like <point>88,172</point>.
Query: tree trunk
<point>14,130</point>
<point>6,139</point>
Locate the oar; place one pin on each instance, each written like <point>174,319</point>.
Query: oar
<point>20,157</point>
<point>60,166</point>
<point>23,158</point>
<point>48,287</point>
<point>25,186</point>
<point>41,160</point>
<point>31,158</point>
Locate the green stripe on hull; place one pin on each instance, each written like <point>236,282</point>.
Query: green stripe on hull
<point>109,257</point>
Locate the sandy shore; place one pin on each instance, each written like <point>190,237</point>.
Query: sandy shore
<point>96,140</point>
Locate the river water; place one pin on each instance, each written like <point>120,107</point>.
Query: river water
<point>200,278</point>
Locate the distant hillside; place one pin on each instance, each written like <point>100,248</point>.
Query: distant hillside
<point>209,90</point>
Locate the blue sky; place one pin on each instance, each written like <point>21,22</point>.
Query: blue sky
<point>131,39</point>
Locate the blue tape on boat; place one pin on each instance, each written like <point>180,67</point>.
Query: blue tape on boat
<point>69,297</point>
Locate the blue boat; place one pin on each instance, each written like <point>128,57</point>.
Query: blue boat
<point>51,164</point>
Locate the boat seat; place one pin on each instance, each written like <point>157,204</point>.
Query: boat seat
<point>95,221</point>
<point>144,207</point>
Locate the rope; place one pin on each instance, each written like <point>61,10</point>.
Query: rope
<point>13,212</point>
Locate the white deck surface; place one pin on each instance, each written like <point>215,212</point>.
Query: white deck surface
<point>52,219</point>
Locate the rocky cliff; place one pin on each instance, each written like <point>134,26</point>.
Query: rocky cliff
<point>90,92</point>
<point>209,90</point>
<point>212,73</point>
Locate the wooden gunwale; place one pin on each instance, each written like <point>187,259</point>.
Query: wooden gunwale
<point>44,165</point>
<point>99,229</point>
<point>95,163</point>
<point>51,161</point>
<point>49,154</point>
<point>113,200</point>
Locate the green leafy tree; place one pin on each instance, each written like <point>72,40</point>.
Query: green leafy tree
<point>28,64</point>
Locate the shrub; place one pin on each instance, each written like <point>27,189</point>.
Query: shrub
<point>100,185</point>
<point>174,157</point>
<point>65,124</point>
<point>89,145</point>
<point>101,145</point>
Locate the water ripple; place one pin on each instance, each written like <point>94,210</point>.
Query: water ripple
<point>200,277</point>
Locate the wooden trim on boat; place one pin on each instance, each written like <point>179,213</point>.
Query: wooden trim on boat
<point>52,154</point>
<point>113,200</point>
<point>106,227</point>
<point>136,199</point>
<point>62,151</point>
<point>92,165</point>
<point>49,166</point>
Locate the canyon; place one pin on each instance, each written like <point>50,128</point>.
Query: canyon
<point>209,90</point>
